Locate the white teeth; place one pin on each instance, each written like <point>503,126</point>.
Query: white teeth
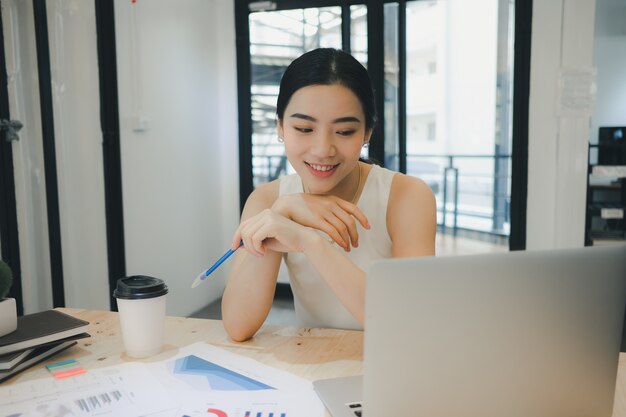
<point>322,167</point>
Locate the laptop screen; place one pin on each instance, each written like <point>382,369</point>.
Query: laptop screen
<point>534,333</point>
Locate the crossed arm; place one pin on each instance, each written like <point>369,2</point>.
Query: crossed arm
<point>271,226</point>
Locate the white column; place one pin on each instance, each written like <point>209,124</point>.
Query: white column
<point>562,43</point>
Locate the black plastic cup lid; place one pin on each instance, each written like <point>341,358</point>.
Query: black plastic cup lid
<point>139,287</point>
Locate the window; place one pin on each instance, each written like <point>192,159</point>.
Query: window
<point>447,85</point>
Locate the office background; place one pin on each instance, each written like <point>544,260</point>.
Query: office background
<point>178,122</point>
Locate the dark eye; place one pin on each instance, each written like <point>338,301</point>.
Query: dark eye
<point>303,129</point>
<point>346,132</point>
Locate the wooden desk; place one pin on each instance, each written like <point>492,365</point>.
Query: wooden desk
<point>309,353</point>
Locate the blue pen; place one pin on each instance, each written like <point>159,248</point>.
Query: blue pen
<point>202,276</point>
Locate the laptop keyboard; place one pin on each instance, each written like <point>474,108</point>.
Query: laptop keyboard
<point>356,408</point>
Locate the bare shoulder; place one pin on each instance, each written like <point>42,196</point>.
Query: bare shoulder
<point>411,217</point>
<point>261,198</point>
<point>406,187</point>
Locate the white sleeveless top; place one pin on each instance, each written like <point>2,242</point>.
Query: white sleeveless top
<point>315,303</point>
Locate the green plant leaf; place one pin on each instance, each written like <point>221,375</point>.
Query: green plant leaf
<point>6,279</point>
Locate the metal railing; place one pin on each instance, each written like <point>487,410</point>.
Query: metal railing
<point>472,191</point>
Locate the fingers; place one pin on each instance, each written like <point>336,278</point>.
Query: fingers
<point>332,231</point>
<point>332,215</point>
<point>237,239</point>
<point>266,230</point>
<point>247,233</point>
<point>235,243</point>
<point>335,217</point>
<point>347,213</point>
<point>341,228</point>
<point>347,225</point>
<point>253,241</point>
<point>353,210</point>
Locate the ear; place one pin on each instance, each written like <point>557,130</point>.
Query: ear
<point>279,128</point>
<point>367,137</point>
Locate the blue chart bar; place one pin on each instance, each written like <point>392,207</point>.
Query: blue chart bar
<point>218,377</point>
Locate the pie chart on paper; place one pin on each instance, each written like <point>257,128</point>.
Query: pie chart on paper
<point>216,413</point>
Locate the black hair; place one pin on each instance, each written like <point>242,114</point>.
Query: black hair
<point>328,66</point>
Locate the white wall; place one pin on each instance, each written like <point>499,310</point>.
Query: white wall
<point>227,117</point>
<point>609,57</point>
<point>76,98</point>
<point>562,37</point>
<point>21,57</point>
<point>180,174</point>
<point>176,66</point>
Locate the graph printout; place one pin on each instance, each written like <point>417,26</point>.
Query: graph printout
<point>123,390</point>
<point>201,380</point>
<point>214,377</point>
<point>215,382</point>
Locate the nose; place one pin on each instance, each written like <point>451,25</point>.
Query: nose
<point>323,145</point>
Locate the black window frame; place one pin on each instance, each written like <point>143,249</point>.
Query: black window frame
<point>9,236</point>
<point>375,19</point>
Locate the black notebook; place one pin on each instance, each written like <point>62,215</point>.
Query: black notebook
<point>9,360</point>
<point>43,328</point>
<point>35,356</point>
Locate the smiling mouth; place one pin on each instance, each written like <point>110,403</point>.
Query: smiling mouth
<point>321,168</point>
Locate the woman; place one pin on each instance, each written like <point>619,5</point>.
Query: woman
<point>335,215</point>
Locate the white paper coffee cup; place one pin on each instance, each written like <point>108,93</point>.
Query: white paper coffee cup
<point>141,306</point>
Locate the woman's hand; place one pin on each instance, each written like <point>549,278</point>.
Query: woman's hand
<point>330,214</point>
<point>270,230</point>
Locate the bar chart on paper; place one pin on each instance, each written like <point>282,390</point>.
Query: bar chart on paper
<point>200,381</point>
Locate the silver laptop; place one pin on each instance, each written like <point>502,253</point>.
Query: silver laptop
<point>528,334</point>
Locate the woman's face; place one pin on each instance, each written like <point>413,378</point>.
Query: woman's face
<point>323,128</point>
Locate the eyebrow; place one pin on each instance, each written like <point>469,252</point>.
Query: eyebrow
<point>339,120</point>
